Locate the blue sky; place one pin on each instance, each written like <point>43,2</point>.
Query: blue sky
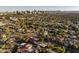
<point>62,8</point>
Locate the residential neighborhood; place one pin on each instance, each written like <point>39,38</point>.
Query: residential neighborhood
<point>39,32</point>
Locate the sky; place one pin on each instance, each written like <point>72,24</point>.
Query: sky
<point>23,8</point>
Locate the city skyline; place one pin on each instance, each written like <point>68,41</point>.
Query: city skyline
<point>49,8</point>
